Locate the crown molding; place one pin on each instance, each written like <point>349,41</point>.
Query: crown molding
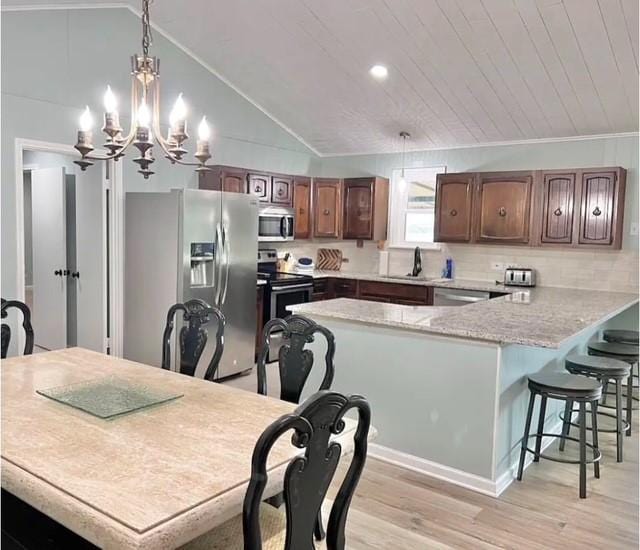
<point>170,38</point>
<point>492,144</point>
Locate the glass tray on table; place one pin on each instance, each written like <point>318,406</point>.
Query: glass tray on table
<point>108,397</point>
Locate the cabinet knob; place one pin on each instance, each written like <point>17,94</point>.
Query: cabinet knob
<point>453,212</point>
<point>301,210</point>
<point>257,189</point>
<point>557,212</point>
<point>502,211</point>
<point>280,192</point>
<point>76,274</point>
<point>597,211</point>
<point>58,272</point>
<point>326,212</point>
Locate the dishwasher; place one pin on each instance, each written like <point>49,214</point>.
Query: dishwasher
<point>457,297</point>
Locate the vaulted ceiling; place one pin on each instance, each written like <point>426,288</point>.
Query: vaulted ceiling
<point>460,71</point>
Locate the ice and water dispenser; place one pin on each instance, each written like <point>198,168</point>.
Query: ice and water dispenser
<point>202,272</point>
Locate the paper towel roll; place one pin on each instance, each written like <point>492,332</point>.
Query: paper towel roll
<point>383,262</point>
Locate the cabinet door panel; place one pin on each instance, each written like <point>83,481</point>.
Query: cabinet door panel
<point>281,190</point>
<point>504,209</point>
<point>358,209</point>
<point>596,218</point>
<point>557,222</point>
<point>326,208</point>
<point>234,182</point>
<point>454,195</point>
<point>260,186</point>
<point>302,207</point>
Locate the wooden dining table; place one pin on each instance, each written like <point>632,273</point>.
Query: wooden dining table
<point>155,478</point>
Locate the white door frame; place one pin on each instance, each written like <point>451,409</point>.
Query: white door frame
<point>115,237</point>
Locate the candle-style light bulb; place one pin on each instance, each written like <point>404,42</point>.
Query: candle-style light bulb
<point>86,120</point>
<point>204,132</point>
<point>144,115</point>
<point>110,101</point>
<point>179,112</point>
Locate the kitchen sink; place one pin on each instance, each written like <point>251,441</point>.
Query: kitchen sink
<point>407,278</point>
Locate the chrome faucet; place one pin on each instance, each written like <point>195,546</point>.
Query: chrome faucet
<point>417,263</point>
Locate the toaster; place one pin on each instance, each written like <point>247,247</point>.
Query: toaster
<point>519,276</point>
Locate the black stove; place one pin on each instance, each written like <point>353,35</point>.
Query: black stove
<point>268,271</point>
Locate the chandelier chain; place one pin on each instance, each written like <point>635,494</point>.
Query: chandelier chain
<point>147,37</point>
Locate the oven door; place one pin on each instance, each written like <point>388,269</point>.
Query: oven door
<point>275,227</point>
<point>281,298</point>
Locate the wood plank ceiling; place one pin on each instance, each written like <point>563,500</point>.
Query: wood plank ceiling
<point>461,72</point>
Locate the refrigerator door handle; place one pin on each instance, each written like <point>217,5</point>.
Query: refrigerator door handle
<point>227,261</point>
<point>218,264</point>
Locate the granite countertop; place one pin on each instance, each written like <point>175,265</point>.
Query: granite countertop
<point>539,317</point>
<point>462,284</point>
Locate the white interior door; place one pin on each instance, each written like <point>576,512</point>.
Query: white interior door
<point>90,262</point>
<point>49,257</point>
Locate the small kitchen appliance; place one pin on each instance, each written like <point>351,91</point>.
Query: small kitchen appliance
<point>520,276</point>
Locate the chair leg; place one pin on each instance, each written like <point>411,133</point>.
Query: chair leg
<point>629,402</point>
<point>543,412</point>
<point>594,437</point>
<point>566,423</point>
<point>619,428</point>
<point>583,450</point>
<point>605,388</point>
<point>318,529</point>
<point>525,438</point>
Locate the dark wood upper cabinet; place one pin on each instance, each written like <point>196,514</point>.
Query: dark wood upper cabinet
<point>453,209</point>
<point>327,207</point>
<point>260,186</point>
<point>365,208</point>
<point>223,178</point>
<point>302,207</point>
<point>504,207</point>
<point>558,189</point>
<point>601,207</point>
<point>282,190</point>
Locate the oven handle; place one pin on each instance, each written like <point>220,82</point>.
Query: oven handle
<point>290,287</point>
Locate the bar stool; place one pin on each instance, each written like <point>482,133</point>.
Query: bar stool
<point>624,352</point>
<point>604,369</point>
<point>564,387</point>
<point>623,337</point>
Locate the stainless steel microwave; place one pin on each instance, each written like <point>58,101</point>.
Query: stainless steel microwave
<point>275,223</point>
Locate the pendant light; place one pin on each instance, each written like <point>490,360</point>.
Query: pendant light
<point>404,135</point>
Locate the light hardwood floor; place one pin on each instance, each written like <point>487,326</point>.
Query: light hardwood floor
<point>395,508</point>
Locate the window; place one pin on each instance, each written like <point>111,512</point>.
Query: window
<point>413,206</point>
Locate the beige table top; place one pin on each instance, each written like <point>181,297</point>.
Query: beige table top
<point>155,478</point>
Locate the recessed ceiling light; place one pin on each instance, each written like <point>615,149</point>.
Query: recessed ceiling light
<point>379,72</point>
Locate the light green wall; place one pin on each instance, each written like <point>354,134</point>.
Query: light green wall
<point>610,151</point>
<point>56,61</point>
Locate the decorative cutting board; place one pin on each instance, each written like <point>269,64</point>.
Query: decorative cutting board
<point>329,259</point>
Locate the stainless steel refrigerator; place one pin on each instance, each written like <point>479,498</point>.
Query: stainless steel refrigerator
<point>187,244</point>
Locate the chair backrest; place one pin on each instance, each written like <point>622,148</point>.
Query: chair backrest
<point>294,361</point>
<point>309,475</point>
<point>5,329</point>
<point>193,337</point>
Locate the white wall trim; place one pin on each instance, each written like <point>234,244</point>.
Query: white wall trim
<point>115,238</point>
<point>458,477</point>
<point>174,41</point>
<point>533,141</point>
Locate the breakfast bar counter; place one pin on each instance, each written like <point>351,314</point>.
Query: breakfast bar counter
<point>449,384</point>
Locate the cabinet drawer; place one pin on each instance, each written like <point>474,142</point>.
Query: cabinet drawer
<point>394,292</point>
<point>345,288</point>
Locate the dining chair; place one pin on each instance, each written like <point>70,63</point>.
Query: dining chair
<point>306,480</point>
<point>294,361</point>
<point>193,337</point>
<point>5,329</point>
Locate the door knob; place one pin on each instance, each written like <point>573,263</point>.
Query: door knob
<point>58,272</point>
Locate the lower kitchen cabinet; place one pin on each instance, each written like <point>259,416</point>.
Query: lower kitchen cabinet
<point>396,293</point>
<point>321,290</point>
<point>344,288</point>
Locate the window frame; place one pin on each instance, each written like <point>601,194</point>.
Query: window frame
<point>399,207</point>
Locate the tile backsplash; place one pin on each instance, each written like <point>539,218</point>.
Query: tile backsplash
<point>589,269</point>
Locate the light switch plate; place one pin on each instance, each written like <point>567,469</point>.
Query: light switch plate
<point>633,228</point>
<point>497,266</point>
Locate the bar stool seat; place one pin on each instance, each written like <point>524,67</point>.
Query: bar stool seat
<point>626,352</point>
<point>569,388</point>
<point>621,336</point>
<point>605,370</point>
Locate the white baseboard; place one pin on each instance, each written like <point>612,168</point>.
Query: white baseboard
<point>474,482</point>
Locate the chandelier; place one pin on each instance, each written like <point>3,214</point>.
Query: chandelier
<point>145,119</point>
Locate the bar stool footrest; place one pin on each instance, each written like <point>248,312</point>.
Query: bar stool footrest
<point>565,460</point>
